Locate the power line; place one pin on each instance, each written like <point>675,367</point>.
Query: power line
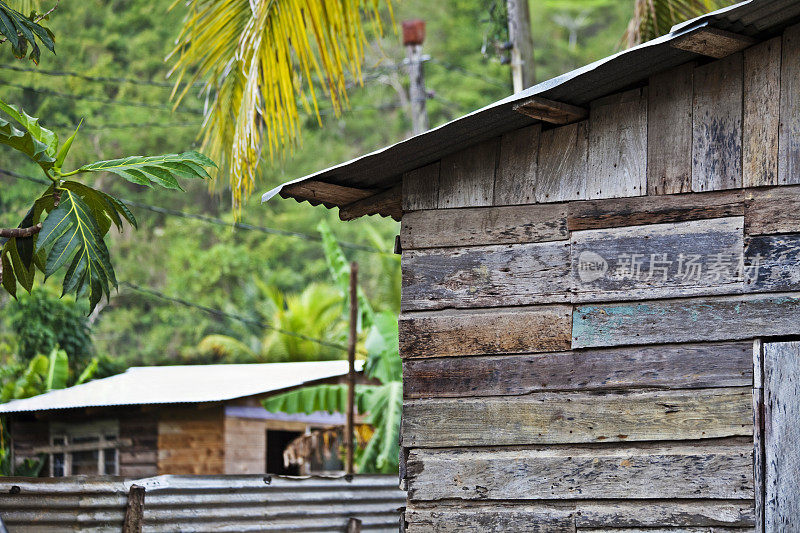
<point>102,79</point>
<point>131,125</point>
<point>210,220</point>
<point>468,73</point>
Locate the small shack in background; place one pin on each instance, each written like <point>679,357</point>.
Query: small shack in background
<point>601,290</point>
<point>199,419</point>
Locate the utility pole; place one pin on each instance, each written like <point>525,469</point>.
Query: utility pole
<point>413,36</point>
<point>519,34</point>
<point>351,372</point>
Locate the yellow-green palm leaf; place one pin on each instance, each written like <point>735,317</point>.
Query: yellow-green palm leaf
<point>653,18</point>
<point>260,61</point>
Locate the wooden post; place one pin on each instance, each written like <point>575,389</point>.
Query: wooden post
<point>353,525</point>
<point>351,373</point>
<point>134,513</point>
<point>413,36</point>
<point>519,33</point>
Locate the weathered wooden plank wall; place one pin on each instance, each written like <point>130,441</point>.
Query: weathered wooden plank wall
<point>580,305</point>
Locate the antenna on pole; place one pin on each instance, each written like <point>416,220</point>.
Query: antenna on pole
<point>413,36</point>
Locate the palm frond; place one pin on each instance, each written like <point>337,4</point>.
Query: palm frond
<point>262,60</point>
<point>653,18</point>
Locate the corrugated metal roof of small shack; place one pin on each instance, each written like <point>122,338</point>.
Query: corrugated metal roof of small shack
<point>382,170</point>
<point>149,385</point>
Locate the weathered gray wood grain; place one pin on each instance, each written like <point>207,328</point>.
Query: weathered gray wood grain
<point>669,530</point>
<point>484,225</point>
<point>421,188</point>
<point>782,435</point>
<point>643,210</point>
<point>658,260</point>
<point>686,320</point>
<point>762,73</point>
<point>681,366</point>
<point>492,331</point>
<point>659,514</point>
<point>789,136</point>
<point>772,263</point>
<point>669,131</point>
<point>717,125</point>
<point>618,146</point>
<point>466,178</point>
<point>774,210</point>
<point>517,168</point>
<point>659,472</point>
<point>540,518</point>
<point>486,276</point>
<point>560,418</point>
<point>759,467</point>
<point>712,42</point>
<point>563,154</point>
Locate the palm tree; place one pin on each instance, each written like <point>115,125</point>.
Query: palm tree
<point>260,61</point>
<point>653,18</point>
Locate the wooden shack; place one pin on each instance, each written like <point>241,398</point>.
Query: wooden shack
<point>199,419</point>
<point>601,291</point>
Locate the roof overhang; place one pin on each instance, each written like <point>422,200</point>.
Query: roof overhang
<point>371,184</point>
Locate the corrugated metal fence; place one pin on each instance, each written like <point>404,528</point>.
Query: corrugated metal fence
<point>203,503</point>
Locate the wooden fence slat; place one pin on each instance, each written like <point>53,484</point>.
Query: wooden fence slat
<point>717,125</point>
<point>466,178</point>
<point>618,146</point>
<point>774,210</point>
<point>495,519</point>
<point>762,72</point>
<point>515,181</point>
<point>789,135</point>
<point>675,366</point>
<point>659,472</point>
<point>669,131</point>
<point>561,418</point>
<point>781,435</point>
<point>660,514</point>
<point>685,320</point>
<point>658,260</point>
<point>484,226</point>
<point>495,331</point>
<point>563,154</point>
<point>421,188</point>
<point>485,276</point>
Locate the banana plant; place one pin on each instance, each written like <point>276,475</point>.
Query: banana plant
<point>65,227</point>
<point>44,374</point>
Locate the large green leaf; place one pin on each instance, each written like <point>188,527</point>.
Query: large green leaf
<point>384,405</point>
<point>88,372</point>
<point>71,233</point>
<point>160,170</point>
<point>21,32</point>
<point>57,370</point>
<point>32,126</point>
<point>25,142</point>
<point>382,345</point>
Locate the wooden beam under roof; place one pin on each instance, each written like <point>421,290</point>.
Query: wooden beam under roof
<point>385,203</point>
<point>713,42</point>
<point>550,111</point>
<point>321,191</point>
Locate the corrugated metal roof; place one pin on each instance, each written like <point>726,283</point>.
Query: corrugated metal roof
<point>183,384</point>
<point>203,503</point>
<point>383,168</point>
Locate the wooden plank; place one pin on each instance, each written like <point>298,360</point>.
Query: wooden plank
<point>319,191</point>
<point>643,210</point>
<point>717,125</point>
<point>134,510</point>
<point>770,211</point>
<point>789,135</point>
<point>563,154</point>
<point>486,276</point>
<point>712,42</point>
<point>669,530</point>
<point>660,514</point>
<point>772,263</point>
<point>578,417</point>
<point>669,366</point>
<point>782,435</point>
<point>466,178</point>
<point>484,225</point>
<point>685,320</point>
<point>551,111</point>
<point>561,473</point>
<point>385,203</point>
<point>517,168</point>
<point>421,188</point>
<point>658,261</point>
<point>618,146</point>
<point>513,330</point>
<point>540,518</point>
<point>669,131</point>
<point>762,74</point>
<point>759,459</point>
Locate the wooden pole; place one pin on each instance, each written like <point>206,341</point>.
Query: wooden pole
<point>134,513</point>
<point>519,33</point>
<point>351,373</point>
<point>413,37</point>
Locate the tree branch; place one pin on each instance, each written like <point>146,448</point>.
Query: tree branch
<point>20,233</point>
